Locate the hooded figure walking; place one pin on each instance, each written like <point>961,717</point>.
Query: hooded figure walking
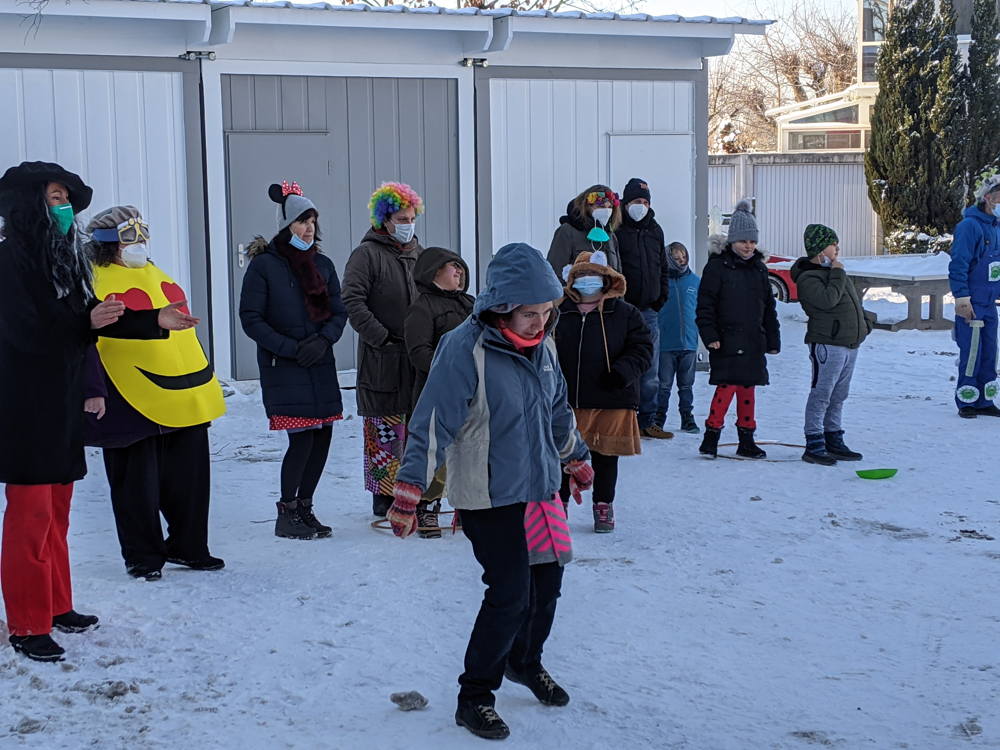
<point>494,407</point>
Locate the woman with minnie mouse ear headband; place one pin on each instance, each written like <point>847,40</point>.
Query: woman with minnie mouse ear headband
<point>588,227</point>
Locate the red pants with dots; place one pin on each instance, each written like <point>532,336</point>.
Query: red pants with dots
<point>744,406</point>
<point>34,560</point>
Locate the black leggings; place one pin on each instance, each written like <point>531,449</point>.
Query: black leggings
<point>304,461</point>
<point>605,478</point>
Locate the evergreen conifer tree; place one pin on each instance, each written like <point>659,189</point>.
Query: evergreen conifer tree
<point>948,147</point>
<point>983,91</point>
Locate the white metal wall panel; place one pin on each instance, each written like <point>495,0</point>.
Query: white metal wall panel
<point>123,132</point>
<point>550,139</point>
<point>791,196</point>
<point>722,188</point>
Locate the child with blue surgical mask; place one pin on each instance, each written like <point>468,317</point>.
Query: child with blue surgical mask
<point>604,348</point>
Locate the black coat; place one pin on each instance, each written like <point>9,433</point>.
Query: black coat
<point>434,313</point>
<point>378,290</point>
<point>644,261</point>
<point>273,313</point>
<point>43,345</point>
<point>736,308</point>
<point>580,343</point>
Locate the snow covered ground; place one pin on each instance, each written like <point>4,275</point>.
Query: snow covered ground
<point>738,604</point>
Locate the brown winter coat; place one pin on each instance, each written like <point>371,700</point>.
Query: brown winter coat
<point>378,290</point>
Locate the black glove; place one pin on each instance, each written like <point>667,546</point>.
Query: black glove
<point>311,350</point>
<point>612,381</point>
<point>659,303</point>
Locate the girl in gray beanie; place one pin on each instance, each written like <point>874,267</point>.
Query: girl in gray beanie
<point>738,322</point>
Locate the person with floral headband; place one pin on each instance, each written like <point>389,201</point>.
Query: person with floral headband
<point>378,290</point>
<point>588,227</point>
<point>974,276</point>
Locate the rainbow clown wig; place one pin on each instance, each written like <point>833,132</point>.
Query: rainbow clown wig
<point>390,198</point>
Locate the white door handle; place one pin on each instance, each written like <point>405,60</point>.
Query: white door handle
<point>241,255</point>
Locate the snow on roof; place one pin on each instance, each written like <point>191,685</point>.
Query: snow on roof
<point>494,13</point>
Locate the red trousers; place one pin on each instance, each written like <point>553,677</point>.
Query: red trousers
<point>744,406</point>
<point>34,558</point>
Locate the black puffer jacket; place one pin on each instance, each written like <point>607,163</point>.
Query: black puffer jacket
<point>580,342</point>
<point>378,290</point>
<point>434,313</point>
<point>736,308</point>
<point>644,261</point>
<point>273,313</point>
<point>43,345</point>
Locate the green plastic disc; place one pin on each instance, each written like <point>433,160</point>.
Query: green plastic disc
<point>876,473</point>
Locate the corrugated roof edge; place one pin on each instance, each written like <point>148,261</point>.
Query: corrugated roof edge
<point>494,13</point>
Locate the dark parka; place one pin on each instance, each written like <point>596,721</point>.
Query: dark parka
<point>580,341</point>
<point>570,239</point>
<point>644,261</point>
<point>836,316</point>
<point>273,313</point>
<point>736,308</point>
<point>43,346</point>
<point>378,290</point>
<point>434,313</point>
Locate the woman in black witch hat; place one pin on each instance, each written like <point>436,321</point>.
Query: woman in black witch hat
<point>49,316</point>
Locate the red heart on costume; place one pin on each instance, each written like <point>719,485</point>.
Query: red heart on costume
<point>134,299</point>
<point>174,293</point>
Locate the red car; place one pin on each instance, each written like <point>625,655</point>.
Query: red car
<point>779,274</point>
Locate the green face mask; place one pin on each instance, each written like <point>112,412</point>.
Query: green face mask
<point>62,217</point>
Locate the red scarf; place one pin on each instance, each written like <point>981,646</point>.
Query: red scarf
<point>314,288</point>
<point>520,342</point>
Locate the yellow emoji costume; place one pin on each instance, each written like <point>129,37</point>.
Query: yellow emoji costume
<point>169,381</point>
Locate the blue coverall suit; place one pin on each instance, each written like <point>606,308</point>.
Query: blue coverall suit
<point>974,272</point>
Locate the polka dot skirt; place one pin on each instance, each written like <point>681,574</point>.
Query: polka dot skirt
<point>301,423</point>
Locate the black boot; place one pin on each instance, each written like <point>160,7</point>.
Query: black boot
<point>74,622</point>
<point>201,563</point>
<point>310,520</point>
<point>482,720</point>
<point>748,448</point>
<point>967,412</point>
<point>710,443</point>
<point>143,571</point>
<point>541,684</point>
<point>988,411</point>
<point>427,520</point>
<point>816,452</point>
<point>37,647</point>
<point>289,524</point>
<point>688,424</point>
<point>381,504</point>
<point>836,447</point>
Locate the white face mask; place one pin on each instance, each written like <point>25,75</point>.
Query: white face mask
<point>403,233</point>
<point>602,216</point>
<point>638,211</point>
<point>996,210</point>
<point>135,256</point>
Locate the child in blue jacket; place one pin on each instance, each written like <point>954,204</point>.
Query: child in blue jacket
<point>678,339</point>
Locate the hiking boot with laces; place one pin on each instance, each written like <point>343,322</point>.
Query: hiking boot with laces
<point>482,720</point>
<point>37,647</point>
<point>310,520</point>
<point>541,684</point>
<point>657,432</point>
<point>427,520</point>
<point>289,524</point>
<point>74,622</point>
<point>604,518</point>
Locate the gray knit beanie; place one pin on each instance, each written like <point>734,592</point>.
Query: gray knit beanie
<point>291,203</point>
<point>743,225</point>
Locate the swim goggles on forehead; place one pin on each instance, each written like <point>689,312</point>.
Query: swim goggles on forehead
<point>129,232</point>
<point>600,195</point>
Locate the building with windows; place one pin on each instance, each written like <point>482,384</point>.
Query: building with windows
<point>840,122</point>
